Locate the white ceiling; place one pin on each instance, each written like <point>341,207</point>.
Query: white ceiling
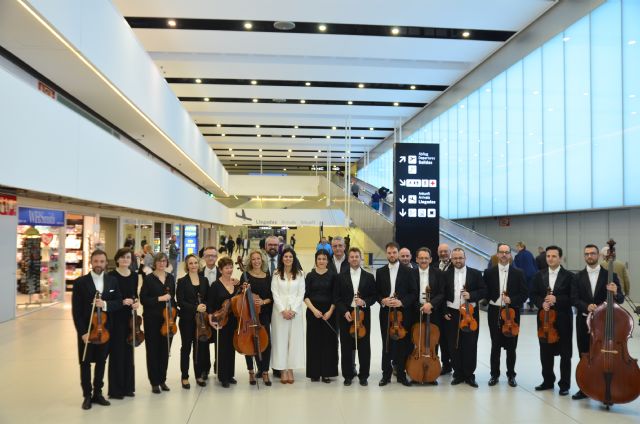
<point>317,57</point>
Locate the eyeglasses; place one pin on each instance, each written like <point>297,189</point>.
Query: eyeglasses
<point>591,254</point>
<point>502,252</point>
<point>210,256</point>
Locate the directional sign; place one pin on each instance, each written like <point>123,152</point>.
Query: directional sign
<point>416,175</point>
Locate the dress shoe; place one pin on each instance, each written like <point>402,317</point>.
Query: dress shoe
<point>544,386</point>
<point>118,397</point>
<point>164,387</point>
<point>493,381</point>
<point>326,380</point>
<point>233,381</point>
<point>404,382</point>
<point>512,382</point>
<point>155,389</point>
<point>86,403</point>
<point>384,382</point>
<point>265,379</point>
<point>471,381</point>
<point>315,379</point>
<point>563,392</point>
<point>252,378</point>
<point>446,370</point>
<point>364,382</point>
<point>225,384</point>
<point>456,381</point>
<point>347,382</point>
<point>130,394</point>
<point>201,382</point>
<point>185,384</point>
<point>100,400</point>
<point>205,376</point>
<point>276,373</point>
<point>579,395</point>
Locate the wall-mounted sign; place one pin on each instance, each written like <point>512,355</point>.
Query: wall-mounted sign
<point>190,239</point>
<point>417,195</point>
<point>8,203</point>
<point>33,216</point>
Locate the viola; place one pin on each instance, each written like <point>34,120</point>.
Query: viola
<point>547,332</point>
<point>607,373</point>
<point>423,365</point>
<point>510,327</point>
<point>467,323</point>
<point>221,316</point>
<point>98,333</point>
<point>136,335</point>
<point>357,325</point>
<point>395,329</point>
<point>251,337</point>
<point>203,329</point>
<point>169,327</point>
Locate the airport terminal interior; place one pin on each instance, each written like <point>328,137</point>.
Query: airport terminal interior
<point>500,135</point>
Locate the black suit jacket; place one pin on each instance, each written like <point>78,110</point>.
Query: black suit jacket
<point>344,291</point>
<point>201,274</point>
<point>344,266</point>
<point>474,282</point>
<point>187,296</point>
<point>436,283</point>
<point>406,290</point>
<point>516,285</point>
<point>582,296</point>
<point>562,292</point>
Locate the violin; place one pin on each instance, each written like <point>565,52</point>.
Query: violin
<point>357,325</point>
<point>251,337</point>
<point>607,373</point>
<point>395,329</point>
<point>510,327</point>
<point>423,365</point>
<point>169,327</point>
<point>136,335</point>
<point>467,322</point>
<point>221,316</point>
<point>547,332</point>
<point>203,329</point>
<point>98,333</point>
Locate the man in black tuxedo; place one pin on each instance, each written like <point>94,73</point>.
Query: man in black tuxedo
<point>427,276</point>
<point>396,288</point>
<point>589,290</point>
<point>338,263</point>
<point>404,256</point>
<point>506,285</point>
<point>560,282</point>
<point>354,281</point>
<point>444,257</point>
<point>84,293</point>
<point>211,272</point>
<point>462,284</point>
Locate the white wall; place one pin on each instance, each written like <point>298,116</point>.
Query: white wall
<point>572,231</point>
<point>8,225</point>
<point>273,185</point>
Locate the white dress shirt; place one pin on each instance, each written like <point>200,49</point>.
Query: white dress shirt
<point>338,263</point>
<point>211,274</point>
<point>98,281</point>
<point>594,273</point>
<point>459,279</point>
<point>393,276</point>
<point>503,273</point>
<point>553,276</point>
<point>424,283</point>
<point>355,282</point>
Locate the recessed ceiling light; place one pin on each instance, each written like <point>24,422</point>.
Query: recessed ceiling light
<point>259,150</point>
<point>230,149</point>
<point>254,82</point>
<point>255,100</point>
<point>303,101</point>
<point>248,25</point>
<point>466,34</point>
<point>233,155</point>
<point>171,23</point>
<point>259,156</point>
<point>361,138</point>
<point>333,128</point>
<point>341,157</point>
<point>319,151</point>
<point>349,102</point>
<point>218,125</point>
<point>259,135</point>
<point>361,85</point>
<point>315,157</point>
<point>307,84</point>
<point>322,27</point>
<point>224,135</point>
<point>284,169</point>
<point>288,156</point>
<point>235,164</point>
<point>370,128</point>
<point>328,136</point>
<point>413,87</point>
<point>295,126</point>
<point>396,103</point>
<point>395,31</point>
<point>198,80</point>
<point>293,136</point>
<point>290,150</point>
<point>348,152</point>
<point>206,99</point>
<point>257,126</point>
<point>631,42</point>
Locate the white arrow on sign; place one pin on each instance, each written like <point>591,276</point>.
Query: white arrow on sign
<point>402,183</point>
<point>402,198</point>
<point>403,159</point>
<point>402,213</point>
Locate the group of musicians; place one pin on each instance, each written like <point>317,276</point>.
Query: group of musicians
<point>338,294</point>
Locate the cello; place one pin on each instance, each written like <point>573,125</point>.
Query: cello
<point>607,373</point>
<point>251,336</point>
<point>547,331</point>
<point>510,327</point>
<point>423,365</point>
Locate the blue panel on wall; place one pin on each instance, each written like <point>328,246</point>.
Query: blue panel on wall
<point>463,160</point>
<point>499,114</point>
<point>515,141</point>
<point>486,151</point>
<point>473,119</point>
<point>533,177</point>
<point>631,96</point>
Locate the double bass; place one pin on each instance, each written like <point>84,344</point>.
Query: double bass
<point>423,365</point>
<point>607,373</point>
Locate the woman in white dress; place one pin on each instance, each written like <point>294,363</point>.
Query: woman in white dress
<point>287,330</point>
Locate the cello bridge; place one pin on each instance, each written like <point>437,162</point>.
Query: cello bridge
<point>609,351</point>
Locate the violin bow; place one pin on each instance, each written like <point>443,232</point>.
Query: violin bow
<point>93,308</point>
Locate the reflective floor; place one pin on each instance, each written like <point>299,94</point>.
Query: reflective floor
<point>41,383</point>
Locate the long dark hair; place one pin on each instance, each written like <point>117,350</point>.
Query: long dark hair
<point>295,266</point>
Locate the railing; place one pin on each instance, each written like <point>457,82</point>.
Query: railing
<point>366,191</point>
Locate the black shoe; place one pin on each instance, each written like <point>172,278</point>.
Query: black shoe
<point>100,400</point>
<point>347,382</point>
<point>579,395</point>
<point>315,379</point>
<point>326,380</point>
<point>205,376</point>
<point>118,397</point>
<point>276,373</point>
<point>86,403</point>
<point>155,389</point>
<point>364,382</point>
<point>446,370</point>
<point>404,382</point>
<point>512,382</point>
<point>164,387</point>
<point>471,381</point>
<point>225,384</point>
<point>233,381</point>
<point>544,386</point>
<point>130,394</point>
<point>186,385</point>
<point>384,382</point>
<point>563,392</point>
<point>457,381</point>
<point>201,382</point>
<point>493,381</point>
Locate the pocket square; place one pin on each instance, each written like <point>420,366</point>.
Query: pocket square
<point>111,291</point>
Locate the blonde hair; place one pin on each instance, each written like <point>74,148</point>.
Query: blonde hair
<point>247,261</point>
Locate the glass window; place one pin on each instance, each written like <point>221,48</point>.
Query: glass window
<point>486,151</point>
<point>463,160</point>
<point>499,146</point>
<point>515,141</point>
<point>473,118</point>
<point>631,98</point>
<point>533,180</point>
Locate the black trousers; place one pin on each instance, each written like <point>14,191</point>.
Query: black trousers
<point>157,351</point>
<point>395,350</point>
<point>322,344</point>
<point>348,346</point>
<point>499,341</point>
<point>227,353</point>
<point>464,355</point>
<point>121,362</point>
<point>583,338</point>
<point>263,365</point>
<point>547,353</point>
<point>189,341</point>
<point>97,353</point>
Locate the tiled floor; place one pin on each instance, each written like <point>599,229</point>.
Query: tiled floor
<point>41,384</point>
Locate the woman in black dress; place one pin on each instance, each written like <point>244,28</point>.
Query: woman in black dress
<point>154,298</point>
<point>191,295</point>
<point>222,289</point>
<point>121,369</point>
<point>257,273</point>
<point>322,337</point>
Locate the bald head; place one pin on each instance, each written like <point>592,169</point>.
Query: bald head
<point>404,256</point>
<point>444,252</point>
